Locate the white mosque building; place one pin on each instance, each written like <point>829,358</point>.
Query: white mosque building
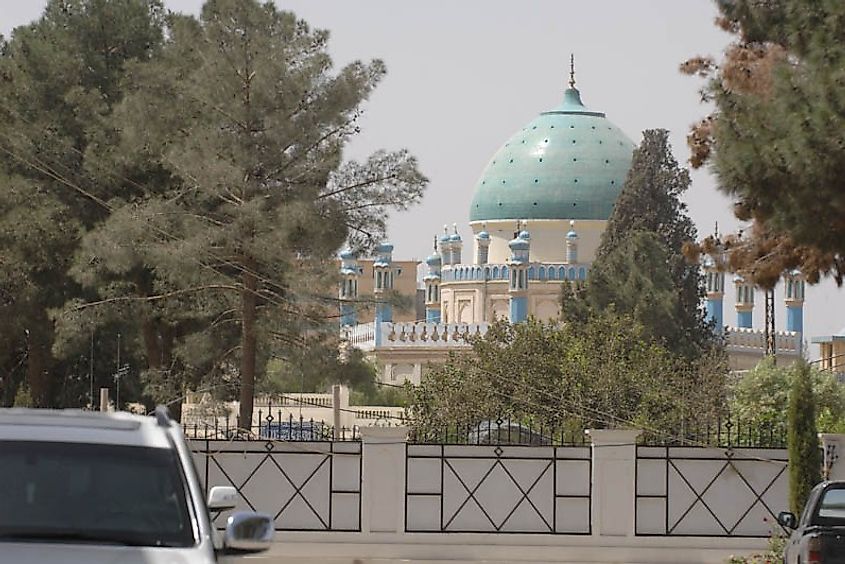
<point>537,215</point>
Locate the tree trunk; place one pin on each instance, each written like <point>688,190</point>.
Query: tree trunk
<point>248,343</point>
<point>38,369</point>
<point>158,347</point>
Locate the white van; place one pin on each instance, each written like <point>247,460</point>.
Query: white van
<point>88,487</point>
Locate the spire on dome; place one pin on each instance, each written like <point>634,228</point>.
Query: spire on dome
<point>572,70</point>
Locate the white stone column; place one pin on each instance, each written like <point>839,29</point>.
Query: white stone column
<point>383,479</point>
<point>613,486</point>
<point>833,446</point>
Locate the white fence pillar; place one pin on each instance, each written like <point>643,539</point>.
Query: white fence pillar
<point>383,479</point>
<point>614,484</point>
<point>833,446</point>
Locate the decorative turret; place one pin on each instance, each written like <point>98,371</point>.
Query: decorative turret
<point>446,247</point>
<point>571,244</point>
<point>794,299</point>
<point>457,245</point>
<point>432,288</point>
<point>714,294</point>
<point>744,302</point>
<point>482,246</point>
<point>349,273</point>
<point>383,278</point>
<point>518,263</point>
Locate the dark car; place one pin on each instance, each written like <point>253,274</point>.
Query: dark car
<point>819,536</point>
<point>505,433</point>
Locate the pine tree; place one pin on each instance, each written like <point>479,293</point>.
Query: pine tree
<point>242,119</point>
<point>61,75</point>
<point>803,442</point>
<point>640,266</point>
<point>775,137</point>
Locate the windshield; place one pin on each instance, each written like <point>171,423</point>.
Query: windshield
<point>92,493</point>
<point>831,510</point>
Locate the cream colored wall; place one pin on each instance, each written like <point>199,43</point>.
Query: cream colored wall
<point>548,239</point>
<point>404,284</point>
<point>477,302</point>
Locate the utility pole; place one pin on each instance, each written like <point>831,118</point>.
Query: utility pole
<point>91,372</point>
<point>770,324</point>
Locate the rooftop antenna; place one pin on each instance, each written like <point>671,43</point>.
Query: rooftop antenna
<point>435,243</point>
<point>572,70</point>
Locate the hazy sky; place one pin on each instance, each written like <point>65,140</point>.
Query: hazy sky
<point>463,76</point>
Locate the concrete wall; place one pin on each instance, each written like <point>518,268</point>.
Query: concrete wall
<point>384,500</point>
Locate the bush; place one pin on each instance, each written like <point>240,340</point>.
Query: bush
<point>804,454</point>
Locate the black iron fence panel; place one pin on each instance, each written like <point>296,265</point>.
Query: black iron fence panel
<point>694,491</point>
<point>270,424</point>
<point>726,431</point>
<point>305,486</point>
<point>500,431</point>
<point>499,489</point>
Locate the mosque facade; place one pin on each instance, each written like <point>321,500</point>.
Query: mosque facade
<point>537,216</point>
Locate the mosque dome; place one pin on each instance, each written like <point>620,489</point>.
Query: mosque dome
<point>568,163</point>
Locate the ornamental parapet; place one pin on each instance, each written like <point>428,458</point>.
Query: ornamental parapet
<point>742,339</point>
<point>541,272</point>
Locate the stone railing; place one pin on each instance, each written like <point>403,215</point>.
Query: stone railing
<point>422,334</point>
<point>492,272</point>
<point>741,339</point>
<point>362,336</point>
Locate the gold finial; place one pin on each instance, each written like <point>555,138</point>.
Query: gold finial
<point>572,70</point>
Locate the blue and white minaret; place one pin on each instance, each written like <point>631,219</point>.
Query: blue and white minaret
<point>383,284</point>
<point>432,289</point>
<point>482,247</point>
<point>349,273</point>
<point>714,294</point>
<point>457,244</point>
<point>518,264</point>
<point>571,244</point>
<point>445,247</point>
<point>794,298</point>
<point>744,302</point>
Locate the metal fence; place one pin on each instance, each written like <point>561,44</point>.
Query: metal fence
<point>723,432</point>
<point>500,431</point>
<point>269,425</point>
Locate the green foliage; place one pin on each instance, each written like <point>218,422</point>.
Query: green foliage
<point>804,453</point>
<point>773,554</point>
<point>640,268</point>
<point>179,181</point>
<point>761,396</point>
<point>775,138</point>
<point>605,372</point>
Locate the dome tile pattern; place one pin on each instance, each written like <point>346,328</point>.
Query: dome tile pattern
<point>568,163</point>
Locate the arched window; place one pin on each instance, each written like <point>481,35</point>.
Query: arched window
<point>582,273</point>
<point>542,273</point>
<point>495,273</point>
<point>551,273</point>
<point>561,273</point>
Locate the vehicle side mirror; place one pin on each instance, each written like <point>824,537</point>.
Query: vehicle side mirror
<point>787,519</point>
<point>221,498</point>
<point>248,532</point>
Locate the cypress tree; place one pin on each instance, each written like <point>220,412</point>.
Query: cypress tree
<point>804,455</point>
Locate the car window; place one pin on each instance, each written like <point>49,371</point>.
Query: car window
<point>831,509</point>
<point>114,493</point>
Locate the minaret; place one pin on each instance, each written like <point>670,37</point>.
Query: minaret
<point>518,284</point>
<point>714,293</point>
<point>432,288</point>
<point>571,244</point>
<point>348,288</point>
<point>383,275</point>
<point>482,246</point>
<point>744,302</point>
<point>445,247</point>
<point>457,245</point>
<point>794,301</point>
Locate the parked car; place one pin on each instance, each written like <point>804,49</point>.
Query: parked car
<point>819,536</point>
<point>505,433</point>
<point>87,487</point>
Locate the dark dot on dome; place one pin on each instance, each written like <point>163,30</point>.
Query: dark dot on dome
<point>551,127</point>
<point>576,181</point>
<point>606,161</point>
<point>599,142</point>
<point>536,180</point>
<point>573,141</point>
<point>510,161</point>
<point>571,127</point>
<point>574,160</point>
<point>541,159</point>
<point>535,203</point>
<point>613,182</point>
<point>503,181</point>
<point>535,127</point>
<point>500,203</point>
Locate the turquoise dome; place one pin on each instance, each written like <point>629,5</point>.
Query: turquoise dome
<point>569,163</point>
